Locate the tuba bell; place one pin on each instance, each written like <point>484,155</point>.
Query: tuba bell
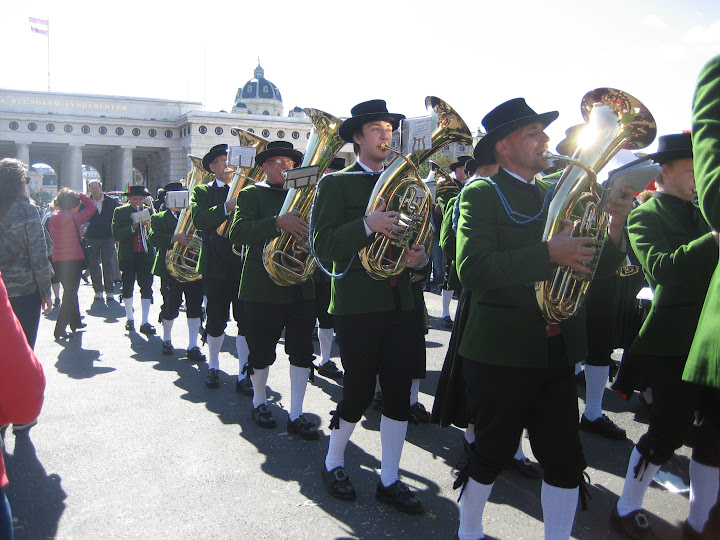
<point>401,187</point>
<point>614,120</point>
<point>181,260</point>
<point>289,261</point>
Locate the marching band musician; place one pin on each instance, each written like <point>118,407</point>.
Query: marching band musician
<point>678,254</point>
<point>162,236</point>
<point>520,383</point>
<point>373,318</point>
<point>445,193</point>
<point>135,257</point>
<point>701,367</point>
<point>210,209</point>
<point>270,308</point>
<point>326,325</point>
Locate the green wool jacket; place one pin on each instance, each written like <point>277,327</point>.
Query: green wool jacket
<point>703,363</point>
<point>499,261</point>
<point>208,216</point>
<point>162,229</point>
<point>678,254</point>
<point>448,244</point>
<point>123,233</point>
<point>253,226</point>
<point>339,233</point>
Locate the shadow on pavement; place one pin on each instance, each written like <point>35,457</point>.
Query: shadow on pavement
<point>76,362</point>
<point>36,498</point>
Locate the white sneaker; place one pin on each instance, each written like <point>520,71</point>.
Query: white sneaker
<point>98,296</point>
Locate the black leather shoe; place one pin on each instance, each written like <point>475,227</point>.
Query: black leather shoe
<point>525,467</point>
<point>147,329</point>
<point>212,380</point>
<point>61,334</point>
<point>245,387</point>
<point>303,427</point>
<point>635,525</point>
<point>399,495</point>
<point>419,414</point>
<point>447,322</point>
<point>330,370</point>
<point>76,327</point>
<point>167,348</point>
<point>130,325</point>
<point>338,483</point>
<point>262,416</point>
<point>195,354</point>
<point>603,426</point>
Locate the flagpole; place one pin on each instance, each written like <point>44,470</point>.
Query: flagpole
<point>48,52</point>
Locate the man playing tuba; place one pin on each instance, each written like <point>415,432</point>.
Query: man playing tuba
<point>270,308</point>
<point>373,318</point>
<point>515,366</point>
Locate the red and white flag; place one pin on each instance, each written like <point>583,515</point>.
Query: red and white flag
<point>39,26</point>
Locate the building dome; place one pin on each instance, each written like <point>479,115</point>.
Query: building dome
<point>297,112</point>
<point>259,96</point>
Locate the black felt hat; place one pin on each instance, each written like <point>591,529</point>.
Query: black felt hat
<point>173,186</point>
<point>502,121</point>
<point>568,145</point>
<point>215,151</point>
<point>368,111</point>
<point>671,147</point>
<point>461,161</point>
<point>337,164</point>
<point>279,148</point>
<point>138,190</point>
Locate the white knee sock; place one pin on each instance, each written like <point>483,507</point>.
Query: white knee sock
<point>392,438</point>
<point>145,303</point>
<point>325,337</point>
<point>214,343</point>
<point>472,506</point>
<point>470,433</point>
<point>596,378</point>
<point>559,505</point>
<point>446,297</point>
<point>635,488</point>
<point>338,441</point>
<point>704,482</point>
<point>242,351</point>
<point>414,391</point>
<point>167,329</point>
<point>578,368</point>
<point>377,383</point>
<point>127,302</point>
<point>193,328</point>
<point>298,384</point>
<point>520,454</point>
<point>259,379</point>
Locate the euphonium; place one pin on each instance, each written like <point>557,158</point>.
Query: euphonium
<point>288,260</point>
<point>181,260</point>
<point>243,176</point>
<point>403,190</point>
<point>445,182</point>
<point>614,120</point>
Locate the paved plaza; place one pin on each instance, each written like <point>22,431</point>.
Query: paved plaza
<point>131,444</point>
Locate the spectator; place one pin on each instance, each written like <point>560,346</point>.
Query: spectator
<point>23,253</point>
<point>101,244</point>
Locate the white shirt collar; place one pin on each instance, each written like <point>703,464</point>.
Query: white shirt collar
<point>531,182</point>
<point>366,168</point>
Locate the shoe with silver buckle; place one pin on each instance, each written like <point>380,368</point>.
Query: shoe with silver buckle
<point>634,526</point>
<point>338,483</point>
<point>303,427</point>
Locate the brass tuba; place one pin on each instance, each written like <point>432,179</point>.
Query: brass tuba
<point>288,260</point>
<point>615,120</point>
<point>181,260</point>
<point>405,192</point>
<point>243,176</point>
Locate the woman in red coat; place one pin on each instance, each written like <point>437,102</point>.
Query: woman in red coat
<point>22,384</point>
<point>68,255</point>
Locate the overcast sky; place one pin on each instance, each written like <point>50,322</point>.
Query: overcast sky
<point>331,55</point>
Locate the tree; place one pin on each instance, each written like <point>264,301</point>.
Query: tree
<point>438,157</point>
<point>41,198</point>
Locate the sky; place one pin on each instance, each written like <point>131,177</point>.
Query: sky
<point>331,55</point>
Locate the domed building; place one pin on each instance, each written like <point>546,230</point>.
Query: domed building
<point>258,96</point>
